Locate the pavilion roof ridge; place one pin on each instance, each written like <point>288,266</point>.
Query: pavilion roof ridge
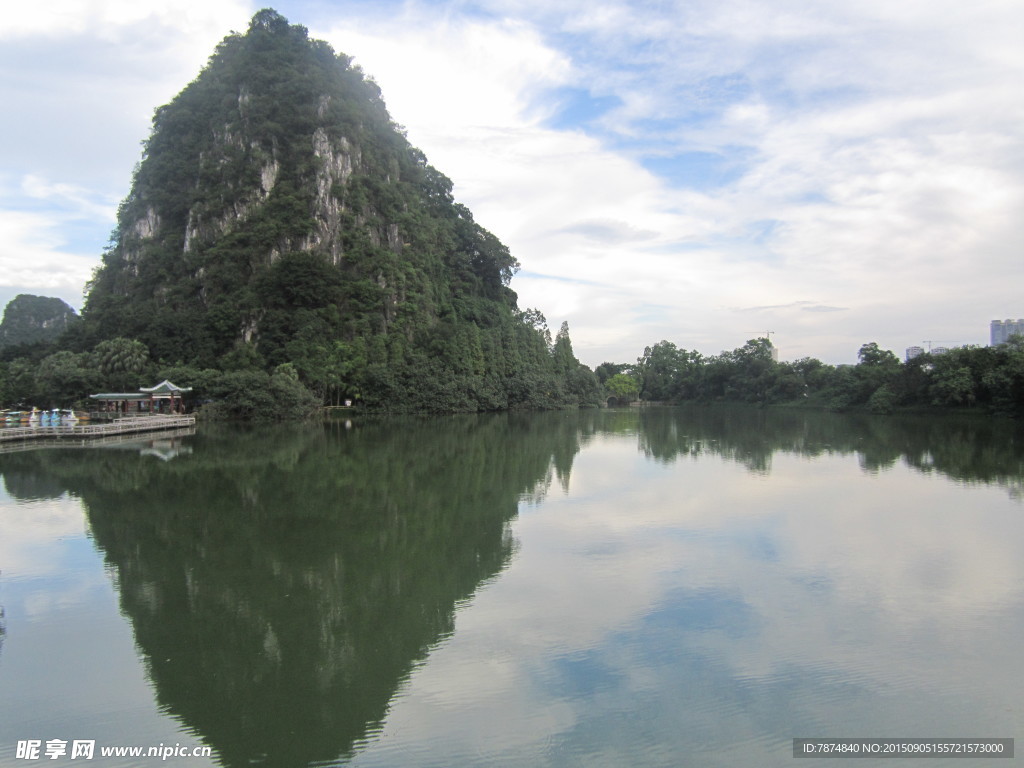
<point>165,386</point>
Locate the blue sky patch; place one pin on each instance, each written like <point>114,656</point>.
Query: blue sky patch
<point>578,107</point>
<point>695,170</point>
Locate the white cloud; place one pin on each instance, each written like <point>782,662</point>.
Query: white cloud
<point>107,19</point>
<point>82,201</point>
<point>453,72</point>
<point>33,256</point>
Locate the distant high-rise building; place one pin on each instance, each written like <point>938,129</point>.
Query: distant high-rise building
<point>913,352</point>
<point>940,350</point>
<point>1002,330</point>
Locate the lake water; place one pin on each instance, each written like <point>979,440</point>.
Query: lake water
<point>655,587</point>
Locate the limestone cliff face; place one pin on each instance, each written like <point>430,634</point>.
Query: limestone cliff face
<point>278,215</point>
<point>234,177</point>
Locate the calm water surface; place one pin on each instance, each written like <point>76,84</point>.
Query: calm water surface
<point>662,587</point>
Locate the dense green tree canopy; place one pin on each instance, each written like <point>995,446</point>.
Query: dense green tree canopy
<point>622,386</point>
<point>991,378</point>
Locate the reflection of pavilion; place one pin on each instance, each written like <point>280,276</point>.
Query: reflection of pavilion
<point>165,450</point>
<point>165,397</point>
<point>168,446</point>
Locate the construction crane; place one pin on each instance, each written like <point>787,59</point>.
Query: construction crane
<point>929,342</point>
<point>763,334</point>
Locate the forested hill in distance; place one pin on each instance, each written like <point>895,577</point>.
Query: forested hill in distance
<point>29,319</point>
<point>279,220</point>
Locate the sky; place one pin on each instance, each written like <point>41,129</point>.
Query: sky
<point>705,172</point>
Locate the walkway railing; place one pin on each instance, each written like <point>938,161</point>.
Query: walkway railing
<point>83,430</point>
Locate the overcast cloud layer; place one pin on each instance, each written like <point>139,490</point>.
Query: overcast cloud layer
<point>702,172</point>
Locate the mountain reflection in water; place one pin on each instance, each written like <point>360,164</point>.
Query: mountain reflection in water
<point>284,584</point>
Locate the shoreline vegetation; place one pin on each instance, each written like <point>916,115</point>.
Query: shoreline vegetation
<point>961,381</point>
<point>971,379</point>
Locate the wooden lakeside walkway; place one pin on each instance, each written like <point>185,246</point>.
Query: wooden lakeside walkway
<point>125,438</point>
<point>12,438</point>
